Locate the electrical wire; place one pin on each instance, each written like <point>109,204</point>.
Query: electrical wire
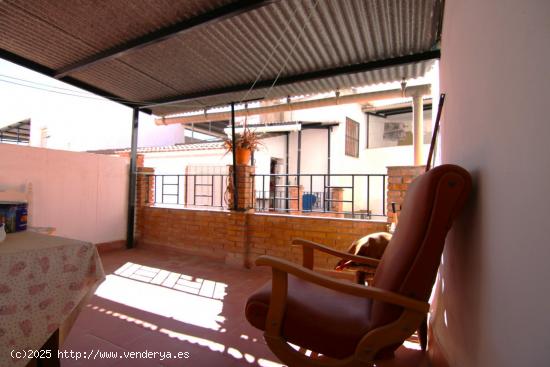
<point>44,84</point>
<point>49,90</point>
<point>66,91</point>
<point>99,98</point>
<point>287,27</point>
<point>306,23</point>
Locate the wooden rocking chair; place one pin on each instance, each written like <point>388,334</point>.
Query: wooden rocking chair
<point>347,324</point>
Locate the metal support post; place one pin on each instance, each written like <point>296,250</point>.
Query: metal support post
<point>234,151</point>
<point>132,181</point>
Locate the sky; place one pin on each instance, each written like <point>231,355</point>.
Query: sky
<point>83,122</point>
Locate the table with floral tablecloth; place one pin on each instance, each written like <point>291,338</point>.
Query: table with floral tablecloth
<point>43,280</point>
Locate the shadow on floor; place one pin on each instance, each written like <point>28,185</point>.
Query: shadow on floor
<point>176,311</point>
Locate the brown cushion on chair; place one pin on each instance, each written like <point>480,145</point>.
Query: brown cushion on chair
<point>313,319</point>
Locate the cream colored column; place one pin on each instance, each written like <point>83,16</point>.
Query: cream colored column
<point>418,129</point>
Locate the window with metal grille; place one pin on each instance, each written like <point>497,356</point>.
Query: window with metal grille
<point>352,138</point>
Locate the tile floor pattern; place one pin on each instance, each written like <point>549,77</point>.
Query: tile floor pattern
<point>160,303</point>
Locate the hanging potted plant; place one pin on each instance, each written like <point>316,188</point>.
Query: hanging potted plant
<point>245,144</point>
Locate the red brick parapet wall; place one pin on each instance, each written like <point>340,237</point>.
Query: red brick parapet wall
<point>238,238</point>
<point>273,234</point>
<point>399,179</point>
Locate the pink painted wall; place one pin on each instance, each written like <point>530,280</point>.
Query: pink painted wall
<point>494,291</point>
<point>82,195</point>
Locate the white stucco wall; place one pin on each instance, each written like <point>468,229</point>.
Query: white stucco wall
<point>495,295</point>
<point>370,161</point>
<point>84,196</point>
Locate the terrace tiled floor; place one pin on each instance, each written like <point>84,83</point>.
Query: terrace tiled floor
<point>159,303</point>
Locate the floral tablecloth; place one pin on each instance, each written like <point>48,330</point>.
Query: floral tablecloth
<point>42,280</point>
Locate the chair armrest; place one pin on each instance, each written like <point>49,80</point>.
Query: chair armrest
<point>309,246</point>
<point>288,267</point>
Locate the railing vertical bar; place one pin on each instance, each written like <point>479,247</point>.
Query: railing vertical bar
<point>221,191</point>
<point>311,191</point>
<point>155,189</point>
<point>352,196</point>
<point>325,193</point>
<point>298,191</point>
<point>263,192</point>
<point>178,189</point>
<point>368,195</point>
<point>162,189</point>
<point>212,191</point>
<point>186,193</point>
<point>253,193</point>
<point>194,189</point>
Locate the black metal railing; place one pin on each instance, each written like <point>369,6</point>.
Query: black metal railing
<point>360,196</point>
<point>191,189</point>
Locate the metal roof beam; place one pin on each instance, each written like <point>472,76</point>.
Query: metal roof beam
<point>216,15</point>
<point>304,77</point>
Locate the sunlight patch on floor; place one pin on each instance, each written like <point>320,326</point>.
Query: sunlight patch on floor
<point>180,305</point>
<point>168,279</point>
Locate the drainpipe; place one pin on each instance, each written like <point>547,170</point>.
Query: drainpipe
<point>287,180</point>
<point>298,168</point>
<point>326,189</point>
<point>299,158</point>
<point>418,128</point>
<point>329,129</point>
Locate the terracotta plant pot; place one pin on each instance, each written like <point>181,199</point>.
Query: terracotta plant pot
<point>243,155</point>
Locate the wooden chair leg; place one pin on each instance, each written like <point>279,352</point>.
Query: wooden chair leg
<point>423,334</point>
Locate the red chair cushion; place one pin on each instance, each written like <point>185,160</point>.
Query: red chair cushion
<point>313,319</point>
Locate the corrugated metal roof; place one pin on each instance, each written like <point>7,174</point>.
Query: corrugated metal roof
<point>285,38</point>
